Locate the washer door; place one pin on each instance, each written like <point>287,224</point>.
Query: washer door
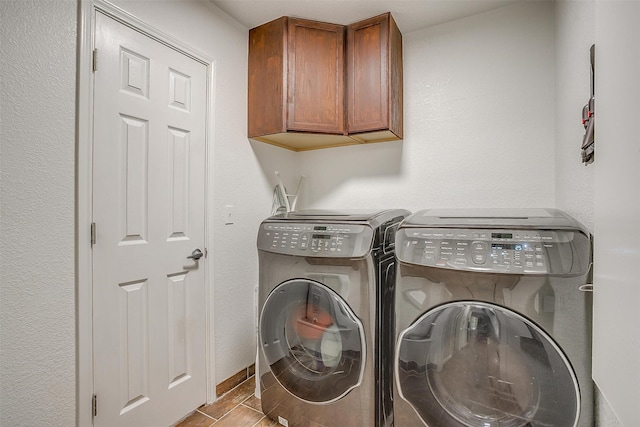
<point>477,364</point>
<point>312,341</point>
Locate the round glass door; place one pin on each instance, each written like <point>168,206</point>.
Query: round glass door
<point>481,365</point>
<point>312,341</point>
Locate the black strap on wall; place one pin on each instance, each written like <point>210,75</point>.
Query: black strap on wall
<point>588,117</point>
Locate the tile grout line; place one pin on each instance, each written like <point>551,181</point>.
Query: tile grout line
<point>259,421</point>
<point>242,403</point>
<point>206,415</point>
<point>249,407</point>
<point>236,407</point>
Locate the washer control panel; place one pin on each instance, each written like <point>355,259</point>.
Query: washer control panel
<point>491,250</point>
<point>316,239</point>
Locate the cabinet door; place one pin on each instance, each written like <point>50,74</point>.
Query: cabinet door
<point>315,96</point>
<point>267,85</point>
<point>374,76</point>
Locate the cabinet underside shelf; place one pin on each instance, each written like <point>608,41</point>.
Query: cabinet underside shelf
<point>310,141</point>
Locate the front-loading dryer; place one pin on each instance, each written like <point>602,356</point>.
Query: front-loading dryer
<point>493,320</point>
<point>326,281</point>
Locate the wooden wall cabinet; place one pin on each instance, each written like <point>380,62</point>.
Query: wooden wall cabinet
<point>304,79</point>
<point>374,80</point>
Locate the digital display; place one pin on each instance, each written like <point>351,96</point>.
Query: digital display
<point>502,235</point>
<point>322,236</point>
<point>507,247</point>
<point>320,228</point>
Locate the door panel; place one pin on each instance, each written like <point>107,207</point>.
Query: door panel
<point>312,341</point>
<point>148,187</point>
<point>470,363</point>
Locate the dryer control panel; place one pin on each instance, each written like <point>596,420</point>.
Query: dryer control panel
<point>513,251</point>
<point>316,239</point>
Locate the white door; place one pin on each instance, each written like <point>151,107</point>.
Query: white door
<point>148,207</point>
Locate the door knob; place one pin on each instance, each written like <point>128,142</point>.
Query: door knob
<point>196,255</point>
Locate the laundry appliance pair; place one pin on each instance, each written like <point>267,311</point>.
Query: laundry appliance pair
<point>482,317</point>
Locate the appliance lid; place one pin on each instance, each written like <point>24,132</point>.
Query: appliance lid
<point>493,218</point>
<point>331,215</point>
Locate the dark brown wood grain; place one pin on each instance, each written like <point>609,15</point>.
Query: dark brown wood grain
<point>374,76</point>
<point>315,84</point>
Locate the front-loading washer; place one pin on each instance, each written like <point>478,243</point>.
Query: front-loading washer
<point>493,320</point>
<point>326,336</point>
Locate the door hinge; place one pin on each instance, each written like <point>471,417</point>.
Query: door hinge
<point>95,60</point>
<point>94,405</point>
<point>93,233</point>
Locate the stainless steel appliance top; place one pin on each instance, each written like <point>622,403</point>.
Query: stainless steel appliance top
<point>536,218</point>
<point>523,241</point>
<point>329,233</point>
<point>372,216</point>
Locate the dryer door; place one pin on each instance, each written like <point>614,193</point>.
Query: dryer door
<point>313,342</point>
<point>471,363</point>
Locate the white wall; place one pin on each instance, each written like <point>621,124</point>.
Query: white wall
<point>617,208</point>
<point>243,173</point>
<point>37,148</point>
<point>575,33</point>
<point>478,122</point>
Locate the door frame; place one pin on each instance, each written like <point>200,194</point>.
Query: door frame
<point>84,196</point>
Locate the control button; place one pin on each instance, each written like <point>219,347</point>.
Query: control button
<point>479,246</point>
<point>479,252</point>
<point>479,258</point>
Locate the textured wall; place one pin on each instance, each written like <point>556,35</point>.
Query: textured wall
<point>478,122</point>
<point>616,348</point>
<point>37,143</point>
<point>575,33</point>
